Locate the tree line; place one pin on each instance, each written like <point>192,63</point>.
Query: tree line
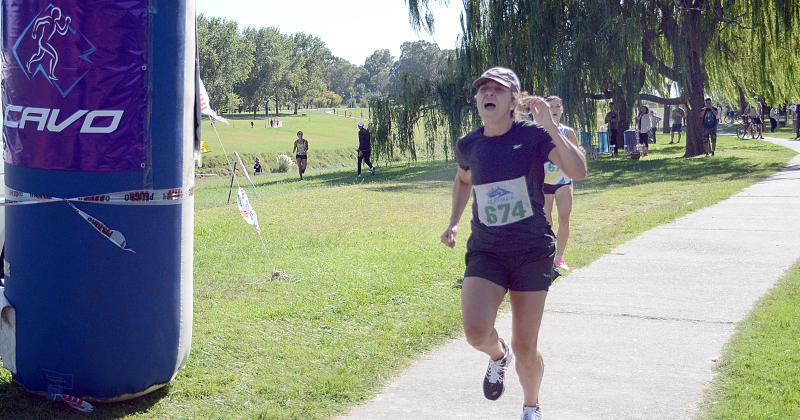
<point>588,51</point>
<point>257,69</point>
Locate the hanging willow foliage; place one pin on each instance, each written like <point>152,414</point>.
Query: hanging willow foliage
<point>380,127</point>
<point>762,58</point>
<point>599,49</point>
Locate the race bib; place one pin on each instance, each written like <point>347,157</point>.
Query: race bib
<point>504,202</point>
<point>553,174</point>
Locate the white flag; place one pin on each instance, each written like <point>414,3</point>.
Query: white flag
<point>205,105</point>
<point>246,209</point>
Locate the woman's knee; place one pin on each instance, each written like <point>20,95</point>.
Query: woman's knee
<point>563,220</point>
<point>525,350</point>
<point>477,335</point>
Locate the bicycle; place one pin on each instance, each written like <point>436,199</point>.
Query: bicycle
<point>730,117</point>
<point>744,128</point>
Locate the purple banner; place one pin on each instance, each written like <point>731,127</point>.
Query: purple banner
<point>75,84</point>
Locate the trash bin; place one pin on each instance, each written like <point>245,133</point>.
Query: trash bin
<point>602,139</point>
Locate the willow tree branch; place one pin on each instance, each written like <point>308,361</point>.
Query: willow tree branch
<point>600,96</point>
<point>663,101</point>
<point>656,64</point>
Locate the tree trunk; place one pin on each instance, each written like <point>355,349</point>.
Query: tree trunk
<point>277,106</point>
<point>696,84</point>
<point>295,108</point>
<point>665,126</point>
<point>742,101</point>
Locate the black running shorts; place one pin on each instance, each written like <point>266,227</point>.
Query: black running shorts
<point>528,271</point>
<point>551,189</point>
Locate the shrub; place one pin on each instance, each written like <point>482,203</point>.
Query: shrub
<point>284,163</point>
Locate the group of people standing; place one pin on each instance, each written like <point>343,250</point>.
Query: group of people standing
<point>647,121</point>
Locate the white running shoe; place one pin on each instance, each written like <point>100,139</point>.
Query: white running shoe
<point>494,381</point>
<point>560,263</point>
<point>531,412</point>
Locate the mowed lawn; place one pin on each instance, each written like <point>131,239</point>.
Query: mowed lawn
<point>332,138</point>
<point>323,130</point>
<point>368,286</point>
<point>758,371</point>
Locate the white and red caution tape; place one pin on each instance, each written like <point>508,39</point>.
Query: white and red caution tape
<point>112,235</point>
<point>161,197</point>
<point>144,197</point>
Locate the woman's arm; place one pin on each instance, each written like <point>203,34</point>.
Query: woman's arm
<point>294,149</point>
<point>462,188</point>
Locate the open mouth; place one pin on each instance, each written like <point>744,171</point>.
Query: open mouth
<point>489,106</point>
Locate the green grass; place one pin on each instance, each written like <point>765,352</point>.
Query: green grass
<point>369,286</point>
<point>783,132</point>
<point>758,372</point>
<point>331,139</point>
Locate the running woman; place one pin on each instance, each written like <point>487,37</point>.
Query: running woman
<point>511,247</point>
<point>558,186</point>
<point>301,148</point>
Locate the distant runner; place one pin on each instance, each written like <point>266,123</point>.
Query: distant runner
<point>301,148</point>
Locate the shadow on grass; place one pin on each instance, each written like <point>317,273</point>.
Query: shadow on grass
<point>607,172</point>
<point>16,403</point>
<point>411,173</point>
<point>661,166</point>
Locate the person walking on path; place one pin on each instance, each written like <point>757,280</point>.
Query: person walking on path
<point>511,247</point>
<point>301,150</point>
<point>364,149</point>
<point>558,186</point>
<point>612,124</point>
<point>678,114</point>
<point>710,119</point>
<point>644,125</point>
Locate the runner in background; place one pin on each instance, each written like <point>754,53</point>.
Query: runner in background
<point>301,150</point>
<point>558,186</point>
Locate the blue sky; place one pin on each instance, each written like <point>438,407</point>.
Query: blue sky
<point>351,29</point>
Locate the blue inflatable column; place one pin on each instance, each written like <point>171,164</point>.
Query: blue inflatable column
<point>98,101</point>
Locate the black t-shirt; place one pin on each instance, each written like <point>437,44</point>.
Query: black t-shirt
<point>503,169</point>
<point>611,117</point>
<point>363,140</point>
<point>709,120</point>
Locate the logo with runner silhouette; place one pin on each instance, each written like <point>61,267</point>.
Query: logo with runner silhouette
<point>52,48</point>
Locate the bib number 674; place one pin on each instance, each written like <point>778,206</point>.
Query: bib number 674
<point>501,213</point>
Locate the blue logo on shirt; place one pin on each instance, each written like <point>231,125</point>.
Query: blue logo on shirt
<point>498,192</point>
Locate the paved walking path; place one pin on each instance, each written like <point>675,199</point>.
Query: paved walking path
<point>624,340</point>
